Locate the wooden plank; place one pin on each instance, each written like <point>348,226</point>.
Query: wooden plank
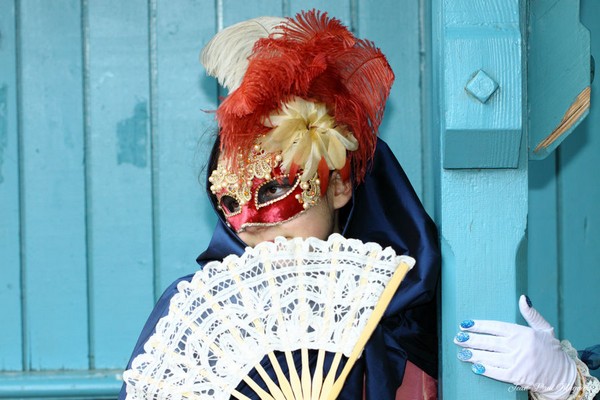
<point>395,28</point>
<point>580,215</point>
<point>480,254</point>
<point>542,239</point>
<point>183,136</point>
<point>10,284</point>
<point>482,213</point>
<point>53,185</point>
<point>97,384</point>
<point>338,9</point>
<point>119,177</point>
<point>229,12</point>
<point>234,11</point>
<point>430,109</point>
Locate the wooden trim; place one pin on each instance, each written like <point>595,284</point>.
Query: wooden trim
<point>93,384</point>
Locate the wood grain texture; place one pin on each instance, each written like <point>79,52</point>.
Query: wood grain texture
<point>579,215</point>
<point>483,135</point>
<point>542,239</point>
<point>233,11</point>
<point>119,167</point>
<point>482,212</point>
<point>113,100</point>
<point>563,220</point>
<point>53,230</point>
<point>98,384</point>
<point>10,244</point>
<point>110,152</point>
<point>183,132</point>
<point>480,275</point>
<point>340,9</point>
<point>395,28</point>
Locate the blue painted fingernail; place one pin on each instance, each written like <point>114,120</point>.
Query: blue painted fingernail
<point>462,337</point>
<point>528,300</point>
<point>478,368</point>
<point>464,355</point>
<point>467,323</point>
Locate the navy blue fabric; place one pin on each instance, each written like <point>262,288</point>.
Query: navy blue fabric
<point>384,209</point>
<point>591,356</point>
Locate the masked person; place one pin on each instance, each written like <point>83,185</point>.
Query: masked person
<point>297,155</point>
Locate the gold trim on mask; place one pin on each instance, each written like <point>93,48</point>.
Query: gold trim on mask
<point>283,196</point>
<point>311,192</point>
<point>259,165</point>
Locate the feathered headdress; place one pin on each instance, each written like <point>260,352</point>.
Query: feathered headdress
<point>274,66</point>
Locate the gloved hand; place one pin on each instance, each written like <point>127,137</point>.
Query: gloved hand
<point>530,357</point>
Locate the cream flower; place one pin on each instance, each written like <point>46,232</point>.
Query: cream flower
<point>304,133</point>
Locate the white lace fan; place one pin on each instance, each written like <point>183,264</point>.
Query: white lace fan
<point>290,295</point>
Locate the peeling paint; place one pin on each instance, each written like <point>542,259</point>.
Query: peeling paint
<point>3,127</point>
<point>132,137</point>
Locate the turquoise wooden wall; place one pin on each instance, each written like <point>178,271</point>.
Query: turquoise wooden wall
<point>103,137</point>
<point>564,221</point>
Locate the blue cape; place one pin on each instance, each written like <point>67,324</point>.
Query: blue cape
<point>384,209</point>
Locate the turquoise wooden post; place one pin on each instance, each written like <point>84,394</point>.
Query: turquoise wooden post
<point>482,176</point>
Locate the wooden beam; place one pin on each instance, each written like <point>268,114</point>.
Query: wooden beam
<point>481,181</point>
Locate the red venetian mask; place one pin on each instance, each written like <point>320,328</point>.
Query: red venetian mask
<point>260,193</point>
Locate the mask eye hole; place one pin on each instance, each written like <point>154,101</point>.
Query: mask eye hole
<point>274,190</point>
<point>229,205</point>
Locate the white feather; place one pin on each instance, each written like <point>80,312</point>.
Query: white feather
<point>226,55</point>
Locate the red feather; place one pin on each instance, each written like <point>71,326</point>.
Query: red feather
<point>316,58</point>
<point>293,170</point>
<point>323,175</point>
<point>345,171</point>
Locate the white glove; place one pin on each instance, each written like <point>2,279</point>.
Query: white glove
<point>530,357</point>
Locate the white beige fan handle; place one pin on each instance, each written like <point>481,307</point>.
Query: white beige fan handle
<point>380,308</point>
<point>331,388</point>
